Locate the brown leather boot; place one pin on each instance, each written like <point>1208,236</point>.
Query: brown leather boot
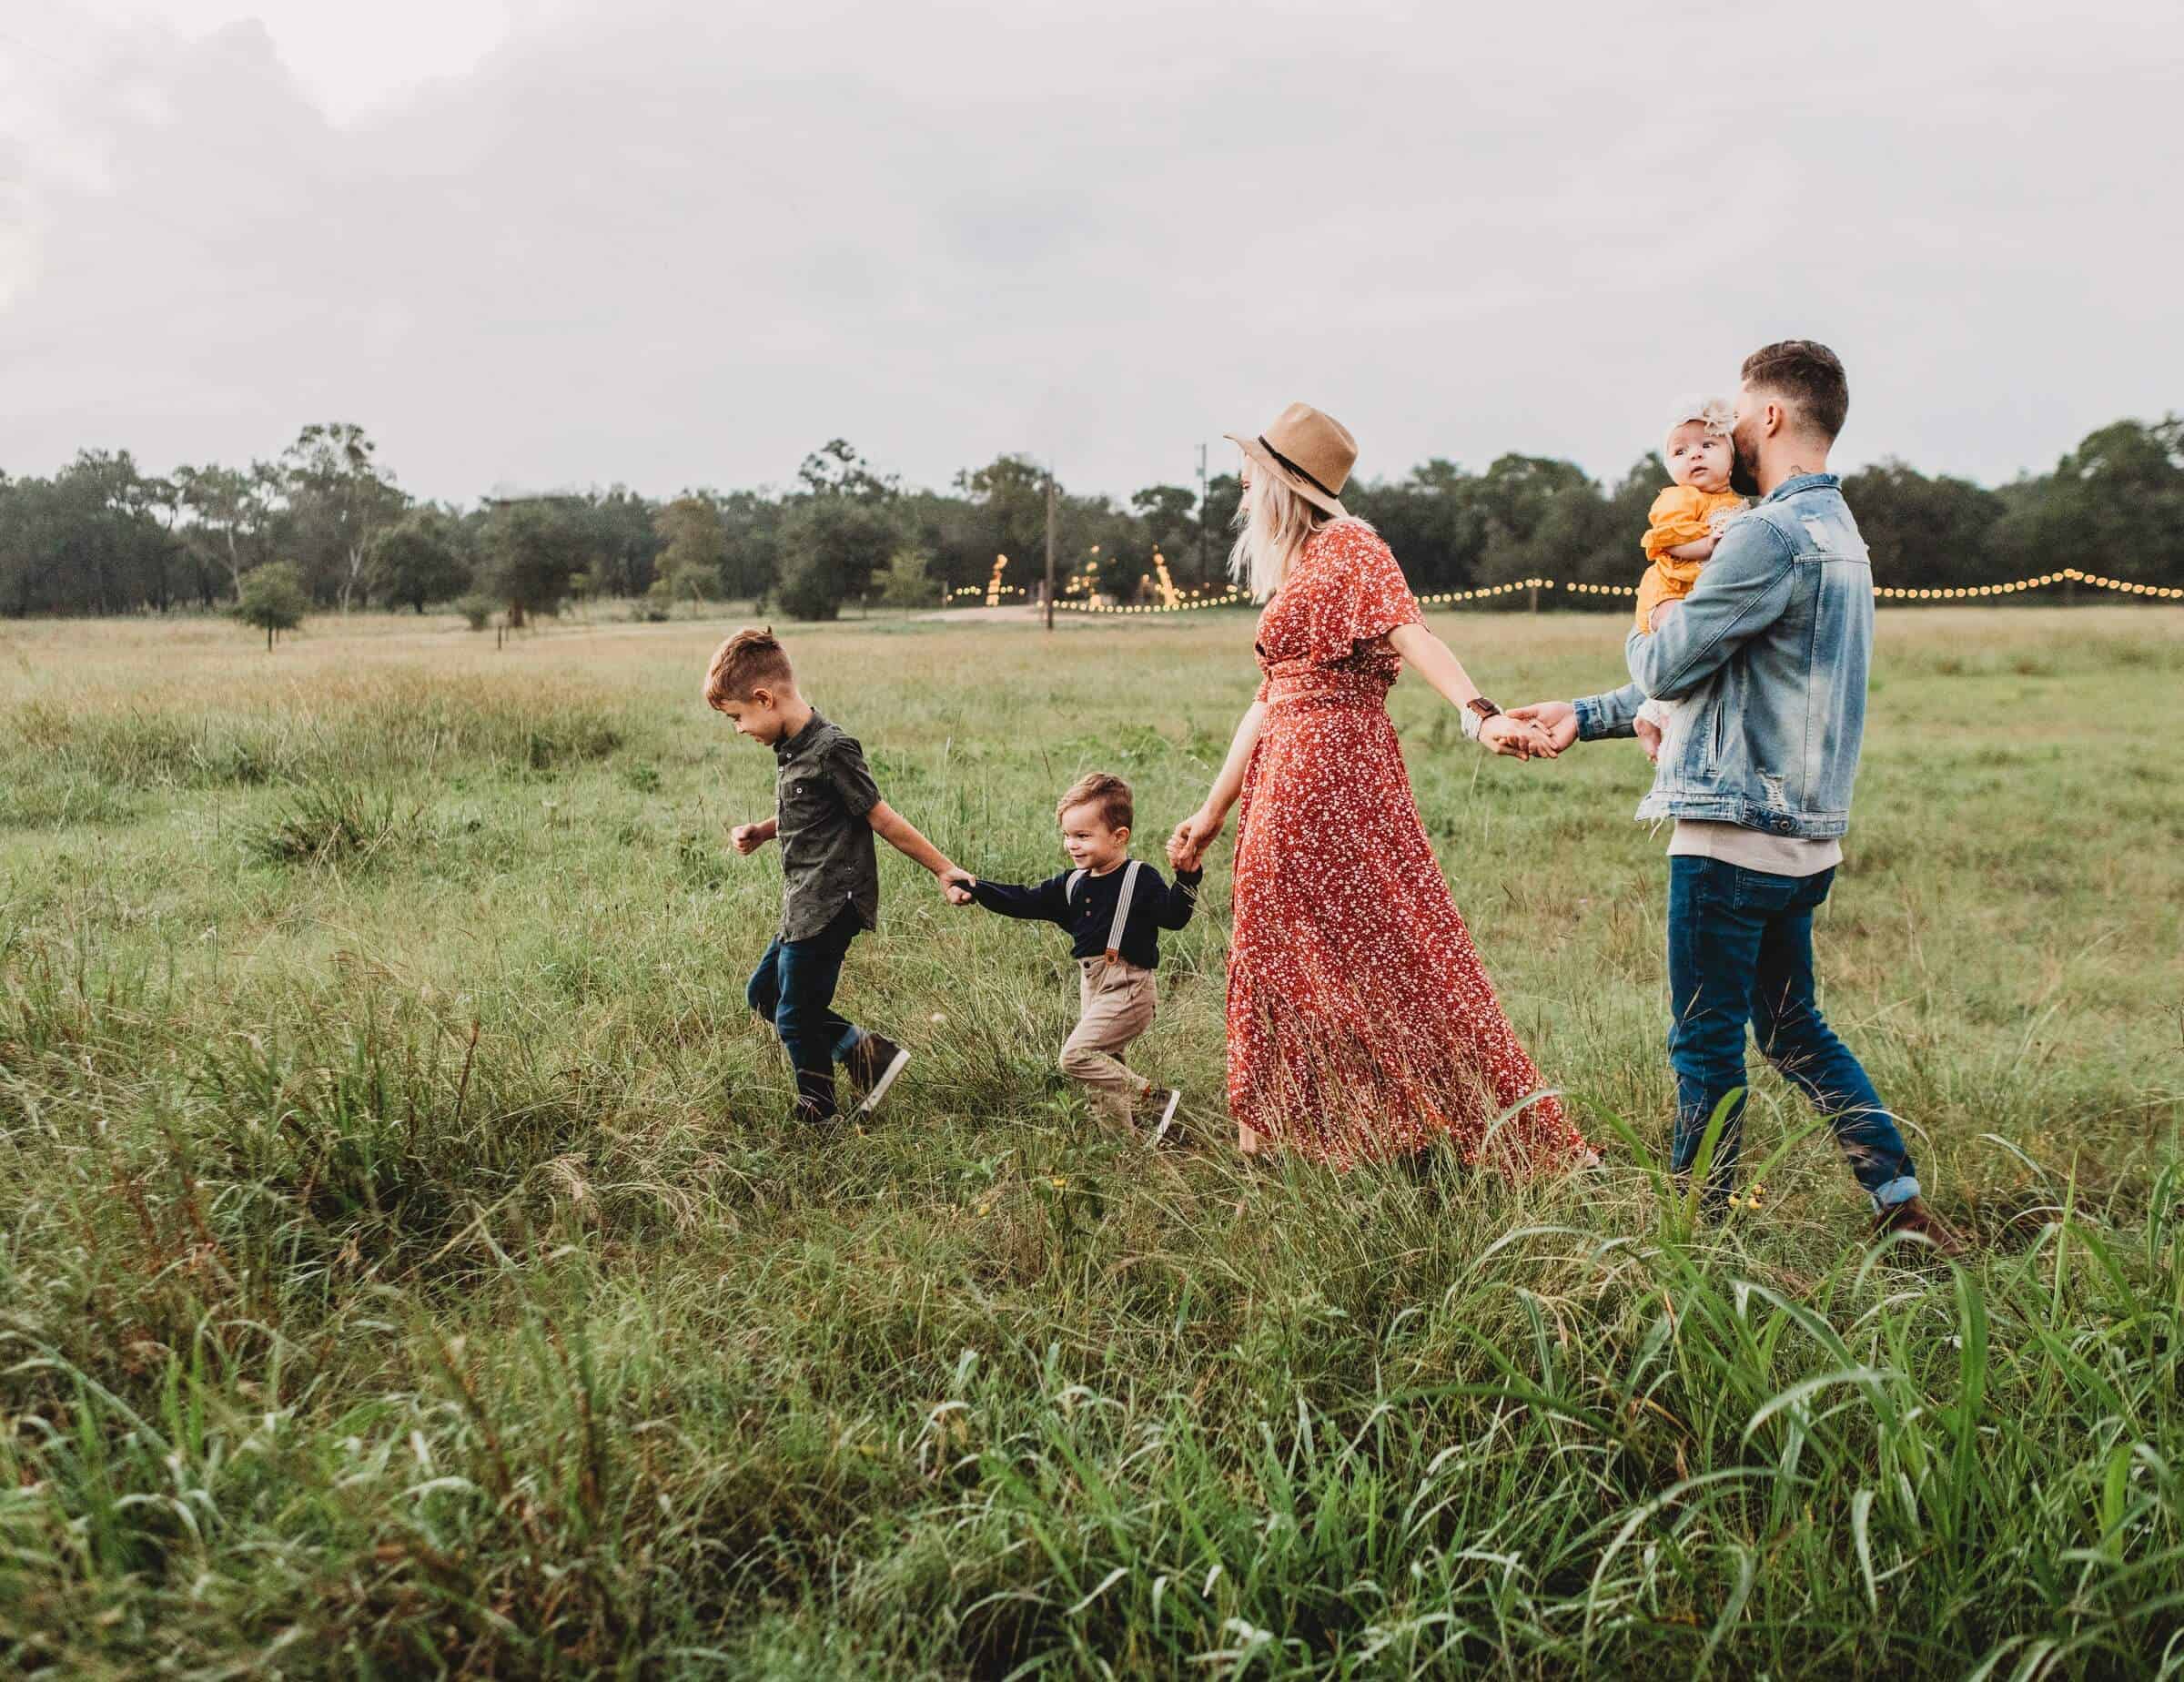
<point>1914,1217</point>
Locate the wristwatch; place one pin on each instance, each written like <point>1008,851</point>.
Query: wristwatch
<point>1476,712</point>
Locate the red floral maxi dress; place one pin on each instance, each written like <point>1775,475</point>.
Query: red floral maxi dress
<point>1360,1024</point>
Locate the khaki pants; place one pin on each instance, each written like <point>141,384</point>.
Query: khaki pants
<point>1115,1005</point>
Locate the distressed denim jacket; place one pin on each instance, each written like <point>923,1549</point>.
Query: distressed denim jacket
<point>1771,650</point>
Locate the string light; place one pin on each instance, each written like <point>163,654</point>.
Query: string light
<point>1193,600</point>
<point>1964,593</point>
<point>1167,584</point>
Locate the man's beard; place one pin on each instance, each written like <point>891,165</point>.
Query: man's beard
<point>1743,469</point>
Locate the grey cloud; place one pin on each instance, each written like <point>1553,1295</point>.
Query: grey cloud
<point>686,244</point>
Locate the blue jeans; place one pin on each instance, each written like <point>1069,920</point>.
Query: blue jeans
<point>793,988</point>
<point>1740,949</point>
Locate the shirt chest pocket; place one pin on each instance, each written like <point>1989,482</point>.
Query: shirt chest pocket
<point>806,804</point>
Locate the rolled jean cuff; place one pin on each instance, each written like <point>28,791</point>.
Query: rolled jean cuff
<point>1898,1191</point>
<point>849,1042</point>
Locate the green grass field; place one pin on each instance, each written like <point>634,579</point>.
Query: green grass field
<point>404,1268</point>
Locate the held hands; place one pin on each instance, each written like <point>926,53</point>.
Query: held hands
<point>1187,847</point>
<point>1558,719</point>
<point>1517,738</point>
<point>957,883</point>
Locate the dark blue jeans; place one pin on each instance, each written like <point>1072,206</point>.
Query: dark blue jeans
<point>1740,949</point>
<point>793,988</point>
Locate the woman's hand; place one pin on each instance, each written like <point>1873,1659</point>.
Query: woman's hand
<point>1517,738</point>
<point>1193,836</point>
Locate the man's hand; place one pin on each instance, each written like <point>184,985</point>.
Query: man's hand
<point>1557,718</point>
<point>957,883</point>
<point>1649,737</point>
<point>1661,614</point>
<point>747,838</point>
<point>1518,738</point>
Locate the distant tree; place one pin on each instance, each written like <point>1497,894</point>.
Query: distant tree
<point>1432,519</point>
<point>624,544</point>
<point>1924,532</point>
<point>336,497</point>
<point>273,599</point>
<point>531,547</point>
<point>1533,509</point>
<point>907,580</point>
<point>230,511</point>
<point>418,559</point>
<point>1008,517</point>
<point>2114,505</point>
<point>836,469</point>
<point>90,540</point>
<point>1170,517</point>
<point>834,545</point>
<point>1224,494</point>
<point>1095,535</point>
<point>693,549</point>
<point>751,540</point>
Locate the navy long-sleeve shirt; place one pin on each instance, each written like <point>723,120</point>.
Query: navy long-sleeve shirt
<point>1088,914</point>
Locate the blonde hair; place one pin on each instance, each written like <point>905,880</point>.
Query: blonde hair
<point>1111,795</point>
<point>1272,523</point>
<point>751,660</point>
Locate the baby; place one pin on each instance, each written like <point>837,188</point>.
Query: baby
<point>1685,521</point>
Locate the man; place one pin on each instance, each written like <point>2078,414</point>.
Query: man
<point>1770,651</point>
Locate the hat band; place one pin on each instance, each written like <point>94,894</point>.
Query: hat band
<point>1283,461</point>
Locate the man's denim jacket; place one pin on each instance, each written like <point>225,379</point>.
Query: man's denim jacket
<point>1770,650</point>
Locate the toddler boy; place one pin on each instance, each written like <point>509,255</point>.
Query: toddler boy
<point>1114,909</point>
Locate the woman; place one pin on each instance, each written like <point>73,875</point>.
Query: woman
<point>1360,1024</point>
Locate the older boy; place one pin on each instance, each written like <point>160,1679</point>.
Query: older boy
<point>827,810</point>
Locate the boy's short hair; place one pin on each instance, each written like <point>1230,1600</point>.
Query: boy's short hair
<point>1111,795</point>
<point>747,662</point>
<point>1810,376</point>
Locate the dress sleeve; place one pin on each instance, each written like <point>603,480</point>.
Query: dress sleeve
<point>1380,601</point>
<point>1678,517</point>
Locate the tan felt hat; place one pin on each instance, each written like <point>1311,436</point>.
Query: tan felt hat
<point>1311,452</point>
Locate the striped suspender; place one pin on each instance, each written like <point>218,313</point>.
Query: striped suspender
<point>1122,910</point>
<point>1122,904</point>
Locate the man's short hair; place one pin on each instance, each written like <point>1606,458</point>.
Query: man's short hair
<point>1111,795</point>
<point>746,663</point>
<point>1808,376</point>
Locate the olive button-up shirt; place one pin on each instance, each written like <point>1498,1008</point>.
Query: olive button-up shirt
<point>823,793</point>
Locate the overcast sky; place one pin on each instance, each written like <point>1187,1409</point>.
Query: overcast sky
<point>546,242</point>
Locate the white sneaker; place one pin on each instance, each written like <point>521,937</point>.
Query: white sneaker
<point>874,1065</point>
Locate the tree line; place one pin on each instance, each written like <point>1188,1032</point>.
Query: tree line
<point>101,536</point>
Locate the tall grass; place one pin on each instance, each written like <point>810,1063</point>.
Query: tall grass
<point>403,1269</point>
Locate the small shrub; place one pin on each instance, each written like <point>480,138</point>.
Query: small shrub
<point>327,823</point>
<point>477,611</point>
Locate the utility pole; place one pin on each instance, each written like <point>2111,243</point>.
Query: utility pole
<point>1204,576</point>
<point>1050,549</point>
